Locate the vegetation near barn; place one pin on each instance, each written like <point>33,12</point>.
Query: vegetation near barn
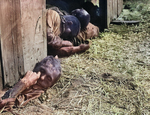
<point>112,77</point>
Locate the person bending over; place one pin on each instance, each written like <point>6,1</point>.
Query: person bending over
<point>67,34</point>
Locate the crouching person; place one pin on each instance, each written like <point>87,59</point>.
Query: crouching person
<point>68,34</point>
<point>33,84</point>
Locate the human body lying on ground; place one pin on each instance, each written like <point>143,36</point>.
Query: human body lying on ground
<point>48,71</point>
<point>45,75</point>
<point>68,34</point>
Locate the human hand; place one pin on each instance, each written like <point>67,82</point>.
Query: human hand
<point>31,78</point>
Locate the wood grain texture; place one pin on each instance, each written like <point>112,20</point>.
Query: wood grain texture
<point>114,8</point>
<point>11,42</point>
<point>109,11</point>
<point>23,37</point>
<point>120,7</point>
<point>1,75</point>
<point>1,80</point>
<point>33,31</point>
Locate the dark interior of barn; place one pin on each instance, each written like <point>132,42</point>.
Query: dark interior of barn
<point>92,7</point>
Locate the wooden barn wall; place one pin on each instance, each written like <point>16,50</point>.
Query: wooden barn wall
<point>11,42</point>
<point>23,37</point>
<point>120,6</point>
<point>1,79</point>
<point>114,8</point>
<point>1,75</point>
<point>33,31</point>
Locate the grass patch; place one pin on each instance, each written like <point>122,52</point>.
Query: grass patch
<point>112,77</point>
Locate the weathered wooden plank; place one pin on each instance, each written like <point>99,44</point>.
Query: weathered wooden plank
<point>11,41</point>
<point>120,7</point>
<point>23,37</point>
<point>34,33</point>
<point>115,9</point>
<point>1,76</point>
<point>109,11</point>
<point>1,80</point>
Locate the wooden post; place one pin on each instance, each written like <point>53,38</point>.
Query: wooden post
<point>23,37</point>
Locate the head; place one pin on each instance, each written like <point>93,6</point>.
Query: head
<point>50,71</point>
<point>83,16</point>
<point>70,26</point>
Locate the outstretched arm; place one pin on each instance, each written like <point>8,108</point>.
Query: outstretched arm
<point>7,101</point>
<point>56,42</point>
<point>68,51</point>
<point>63,48</point>
<point>29,79</point>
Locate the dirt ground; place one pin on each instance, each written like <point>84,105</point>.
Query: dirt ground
<point>111,78</point>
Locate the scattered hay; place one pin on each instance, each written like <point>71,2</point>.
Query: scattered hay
<point>112,77</point>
